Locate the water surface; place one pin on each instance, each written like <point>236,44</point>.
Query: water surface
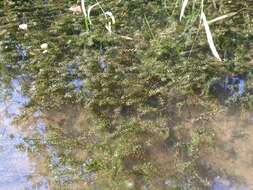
<point>47,148</point>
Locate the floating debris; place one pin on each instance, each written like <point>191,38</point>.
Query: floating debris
<point>75,9</point>
<point>44,46</point>
<point>45,51</point>
<point>3,32</point>
<point>23,26</point>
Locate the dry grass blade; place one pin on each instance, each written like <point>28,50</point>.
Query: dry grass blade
<point>222,17</point>
<point>126,37</point>
<point>89,10</point>
<point>83,8</point>
<point>108,26</point>
<point>85,15</point>
<point>108,13</point>
<point>209,36</point>
<point>185,2</point>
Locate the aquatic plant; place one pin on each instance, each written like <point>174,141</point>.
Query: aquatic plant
<point>110,21</point>
<point>147,79</point>
<point>85,14</point>
<point>206,26</point>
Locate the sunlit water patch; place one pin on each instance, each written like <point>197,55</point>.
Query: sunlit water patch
<point>25,166</point>
<point>30,156</point>
<point>16,169</point>
<point>224,184</point>
<point>52,155</point>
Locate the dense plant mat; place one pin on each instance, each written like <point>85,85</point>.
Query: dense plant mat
<point>152,83</point>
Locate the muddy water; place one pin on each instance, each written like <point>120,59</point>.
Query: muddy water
<point>32,152</point>
<point>40,151</point>
<point>47,150</point>
<point>232,155</point>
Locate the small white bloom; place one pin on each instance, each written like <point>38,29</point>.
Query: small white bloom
<point>23,26</point>
<point>44,46</point>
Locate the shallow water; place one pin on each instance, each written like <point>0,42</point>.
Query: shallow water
<point>233,152</point>
<point>17,170</point>
<point>47,150</point>
<point>22,168</point>
<point>23,164</point>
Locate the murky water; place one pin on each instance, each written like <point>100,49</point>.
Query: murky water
<point>46,150</point>
<point>24,167</point>
<point>23,164</point>
<point>233,155</point>
<point>30,155</point>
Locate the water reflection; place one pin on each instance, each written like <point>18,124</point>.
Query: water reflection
<point>78,84</point>
<point>34,156</point>
<point>228,88</point>
<point>16,168</point>
<point>232,155</point>
<point>49,152</point>
<point>21,52</point>
<point>224,184</point>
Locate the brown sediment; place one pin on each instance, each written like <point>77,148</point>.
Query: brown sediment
<point>232,154</point>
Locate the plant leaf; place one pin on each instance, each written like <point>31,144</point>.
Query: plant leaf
<point>83,8</point>
<point>185,2</point>
<point>108,26</point>
<point>89,10</point>
<point>108,13</point>
<point>209,36</point>
<point>222,17</point>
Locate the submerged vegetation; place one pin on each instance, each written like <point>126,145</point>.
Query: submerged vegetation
<point>149,82</point>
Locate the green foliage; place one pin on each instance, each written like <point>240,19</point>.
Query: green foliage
<point>151,74</point>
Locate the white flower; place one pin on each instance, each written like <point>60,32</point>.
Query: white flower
<point>22,26</point>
